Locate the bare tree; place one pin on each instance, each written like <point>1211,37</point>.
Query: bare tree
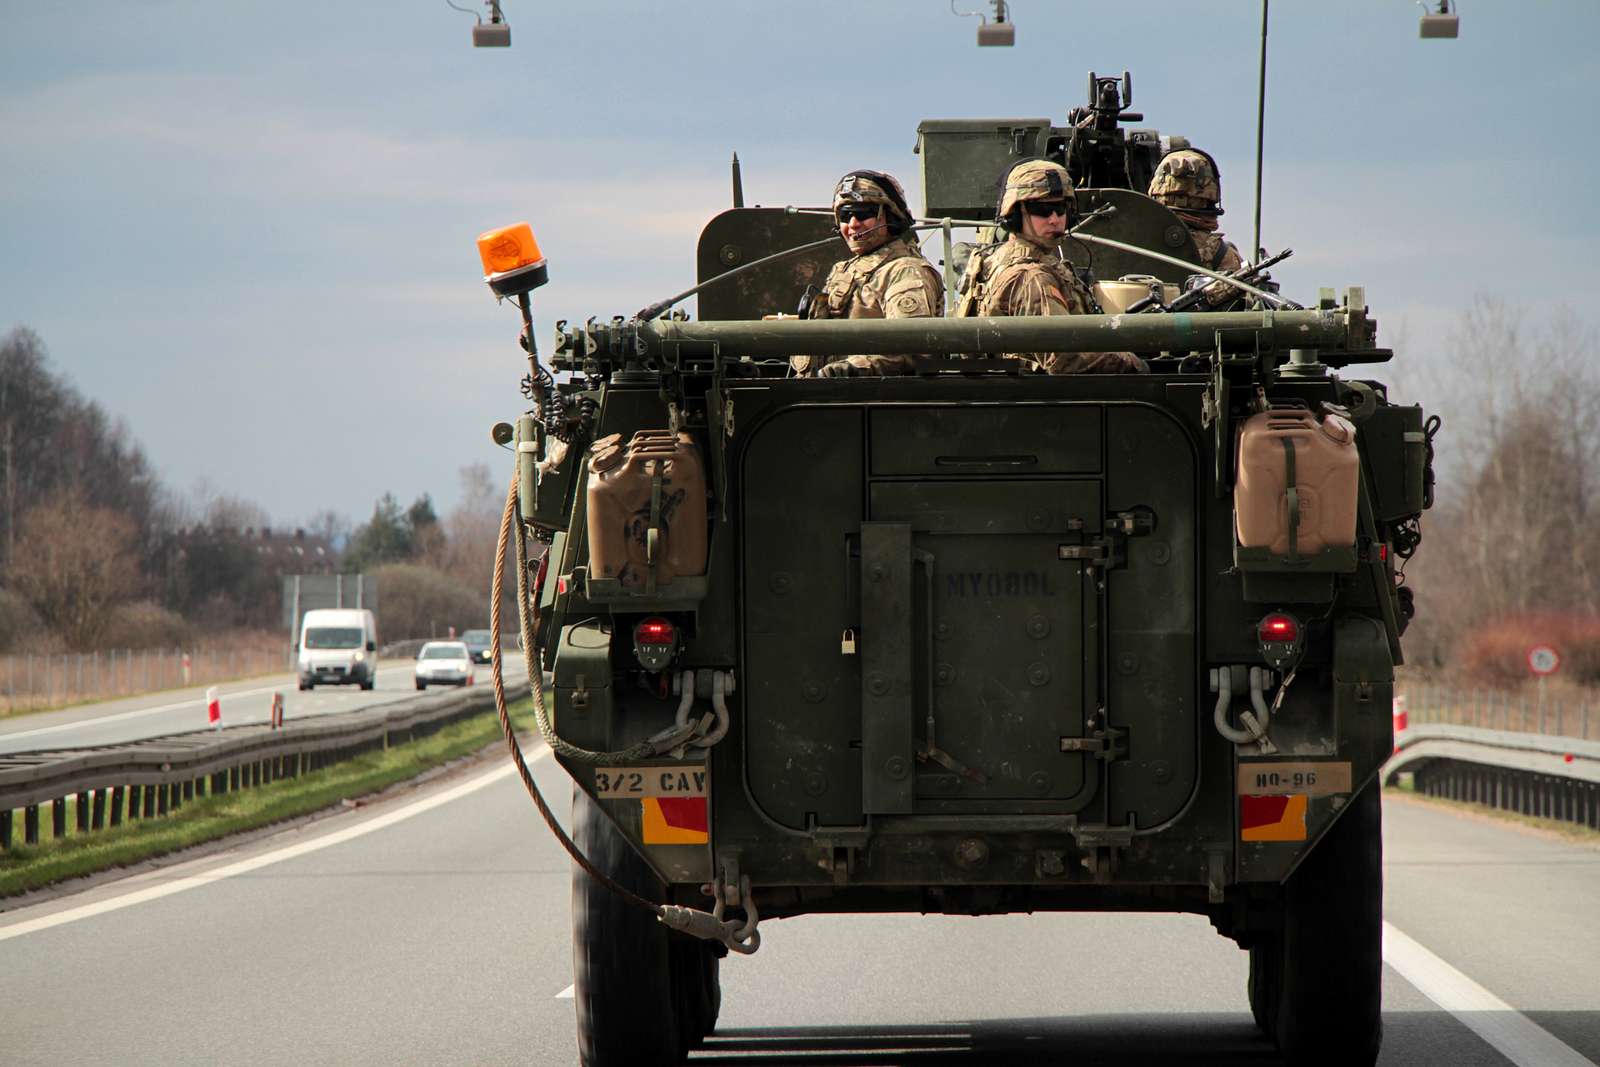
<point>74,562</point>
<point>472,529</point>
<point>1512,536</point>
<point>330,526</point>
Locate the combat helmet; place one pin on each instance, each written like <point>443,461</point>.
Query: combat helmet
<point>874,187</point>
<point>1188,180</point>
<point>1032,179</point>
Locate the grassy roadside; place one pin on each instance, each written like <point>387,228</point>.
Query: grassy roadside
<point>204,819</point>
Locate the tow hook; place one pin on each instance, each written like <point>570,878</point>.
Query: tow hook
<point>1225,681</point>
<point>706,729</point>
<point>742,938</point>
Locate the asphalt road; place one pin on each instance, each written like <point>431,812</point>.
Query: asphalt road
<point>178,711</point>
<point>432,928</point>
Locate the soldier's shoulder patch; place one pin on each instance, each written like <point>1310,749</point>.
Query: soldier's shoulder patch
<point>909,304</point>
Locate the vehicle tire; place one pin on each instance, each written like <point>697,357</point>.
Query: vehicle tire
<point>1328,1002</point>
<point>1266,975</point>
<point>695,977</point>
<point>422,685</point>
<point>368,682</point>
<point>622,962</point>
<point>304,685</point>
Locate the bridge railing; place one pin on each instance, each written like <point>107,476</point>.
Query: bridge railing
<point>1551,774</point>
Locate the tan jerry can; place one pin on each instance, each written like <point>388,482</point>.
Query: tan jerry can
<point>1292,464</point>
<point>647,508</point>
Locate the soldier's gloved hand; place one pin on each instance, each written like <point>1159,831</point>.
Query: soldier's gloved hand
<point>1095,363</point>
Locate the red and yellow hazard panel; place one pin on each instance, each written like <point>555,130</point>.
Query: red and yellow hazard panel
<point>680,821</point>
<point>1272,818</point>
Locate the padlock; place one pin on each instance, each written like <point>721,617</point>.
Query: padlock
<point>847,643</point>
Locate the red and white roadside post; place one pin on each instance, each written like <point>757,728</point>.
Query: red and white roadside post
<point>213,708</point>
<point>1401,719</point>
<point>1543,661</point>
<point>277,711</point>
<point>187,673</point>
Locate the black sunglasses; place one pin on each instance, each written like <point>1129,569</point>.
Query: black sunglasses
<point>1043,209</point>
<point>864,212</point>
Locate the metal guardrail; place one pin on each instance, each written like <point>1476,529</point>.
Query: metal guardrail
<point>1542,775</point>
<point>159,774</point>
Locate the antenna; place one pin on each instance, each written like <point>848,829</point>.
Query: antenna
<point>1261,126</point>
<point>738,183</point>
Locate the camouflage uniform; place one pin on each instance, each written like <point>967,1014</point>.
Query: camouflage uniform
<point>892,281</point>
<point>1187,182</point>
<point>1019,277</point>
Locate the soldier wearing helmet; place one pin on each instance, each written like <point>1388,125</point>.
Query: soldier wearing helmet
<point>1187,181</point>
<point>886,276</point>
<point>1025,274</point>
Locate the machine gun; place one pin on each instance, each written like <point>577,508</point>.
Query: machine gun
<point>1247,274</point>
<point>1097,149</point>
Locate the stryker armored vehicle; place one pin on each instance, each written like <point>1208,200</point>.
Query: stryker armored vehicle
<point>968,640</point>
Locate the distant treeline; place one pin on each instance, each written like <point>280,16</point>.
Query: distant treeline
<point>96,552</point>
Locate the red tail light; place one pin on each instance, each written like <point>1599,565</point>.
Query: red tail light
<point>1279,627</point>
<point>655,631</point>
<point>655,643</point>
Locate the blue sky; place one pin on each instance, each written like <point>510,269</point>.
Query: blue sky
<point>248,228</point>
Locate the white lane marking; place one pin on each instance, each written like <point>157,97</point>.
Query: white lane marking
<point>567,993</point>
<point>1515,1036</point>
<point>338,837</point>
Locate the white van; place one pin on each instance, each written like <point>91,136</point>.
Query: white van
<point>338,645</point>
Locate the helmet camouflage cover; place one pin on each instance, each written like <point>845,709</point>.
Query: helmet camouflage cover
<point>1187,180</point>
<point>1035,179</point>
<point>871,187</point>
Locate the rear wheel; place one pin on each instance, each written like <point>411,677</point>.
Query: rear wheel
<point>1317,986</point>
<point>698,985</point>
<point>1266,975</point>
<point>623,961</point>
<point>422,685</point>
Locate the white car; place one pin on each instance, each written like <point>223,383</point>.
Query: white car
<point>444,663</point>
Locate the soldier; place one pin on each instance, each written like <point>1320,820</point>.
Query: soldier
<point>886,276</point>
<point>1025,274</point>
<point>1188,182</point>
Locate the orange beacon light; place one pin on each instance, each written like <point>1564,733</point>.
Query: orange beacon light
<point>512,262</point>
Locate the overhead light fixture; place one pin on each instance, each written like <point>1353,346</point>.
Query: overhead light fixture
<point>1442,23</point>
<point>496,33</point>
<point>1001,32</point>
